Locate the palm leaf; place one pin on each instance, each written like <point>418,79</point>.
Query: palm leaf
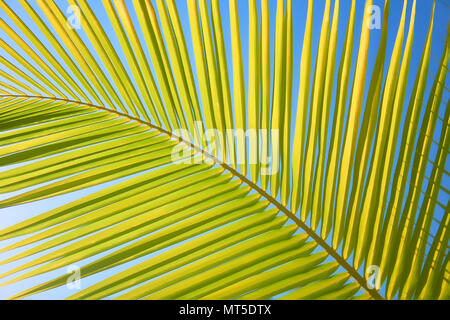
<point>177,202</point>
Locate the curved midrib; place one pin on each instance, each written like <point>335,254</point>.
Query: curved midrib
<point>339,259</point>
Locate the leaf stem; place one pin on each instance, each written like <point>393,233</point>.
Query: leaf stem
<point>331,251</point>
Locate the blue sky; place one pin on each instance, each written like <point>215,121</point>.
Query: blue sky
<point>22,212</point>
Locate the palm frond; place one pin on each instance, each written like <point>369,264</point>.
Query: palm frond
<point>205,188</point>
